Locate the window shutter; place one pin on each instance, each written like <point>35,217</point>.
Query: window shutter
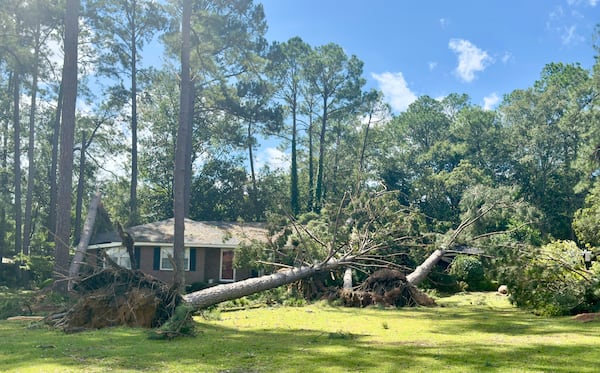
<point>192,259</point>
<point>137,256</point>
<point>156,262</point>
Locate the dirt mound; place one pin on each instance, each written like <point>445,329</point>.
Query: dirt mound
<point>386,287</point>
<point>118,296</point>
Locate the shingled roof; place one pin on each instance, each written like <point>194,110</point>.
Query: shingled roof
<point>197,233</point>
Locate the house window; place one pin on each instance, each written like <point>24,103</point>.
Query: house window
<point>227,270</point>
<point>165,263</point>
<point>120,256</point>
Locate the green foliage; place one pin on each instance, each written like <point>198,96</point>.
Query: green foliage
<point>13,303</point>
<point>553,280</point>
<point>587,219</point>
<point>181,323</point>
<point>469,269</point>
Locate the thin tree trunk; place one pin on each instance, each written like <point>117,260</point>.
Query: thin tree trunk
<point>4,179</point>
<point>189,151</point>
<point>311,165</point>
<point>321,165</point>
<point>17,162</point>
<point>31,147</point>
<point>254,191</point>
<point>63,206</point>
<point>133,208</point>
<point>294,190</point>
<point>80,185</point>
<point>86,234</point>
<point>51,224</point>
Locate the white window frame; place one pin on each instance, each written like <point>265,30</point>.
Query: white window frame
<point>164,258</point>
<point>221,266</point>
<point>119,255</point>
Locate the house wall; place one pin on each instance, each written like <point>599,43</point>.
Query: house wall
<point>207,265</point>
<point>195,274</point>
<point>213,261</point>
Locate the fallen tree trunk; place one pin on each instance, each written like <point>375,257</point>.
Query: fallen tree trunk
<point>84,240</point>
<point>224,292</point>
<point>422,271</point>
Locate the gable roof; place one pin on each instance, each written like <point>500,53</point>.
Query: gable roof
<point>197,234</point>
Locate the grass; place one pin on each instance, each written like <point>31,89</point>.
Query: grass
<point>466,333</point>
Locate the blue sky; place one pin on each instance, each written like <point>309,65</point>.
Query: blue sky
<point>412,48</point>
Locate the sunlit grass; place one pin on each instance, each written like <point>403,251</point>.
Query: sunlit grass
<point>466,333</point>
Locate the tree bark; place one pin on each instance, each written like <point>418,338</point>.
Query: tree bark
<point>31,146</point>
<point>422,271</point>
<point>17,161</point>
<point>224,292</point>
<point>51,224</point>
<point>181,156</point>
<point>80,187</point>
<point>348,278</point>
<point>86,234</point>
<point>63,206</point>
<point>133,208</point>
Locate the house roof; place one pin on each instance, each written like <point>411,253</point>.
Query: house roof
<point>197,233</point>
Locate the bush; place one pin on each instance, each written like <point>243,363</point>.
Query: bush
<point>468,269</point>
<point>553,280</point>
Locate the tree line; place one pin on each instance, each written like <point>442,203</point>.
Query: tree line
<point>540,145</point>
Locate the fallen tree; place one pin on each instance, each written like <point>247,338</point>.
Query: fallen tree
<point>362,232</point>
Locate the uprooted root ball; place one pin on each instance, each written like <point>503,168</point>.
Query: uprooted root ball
<point>118,296</point>
<point>385,287</point>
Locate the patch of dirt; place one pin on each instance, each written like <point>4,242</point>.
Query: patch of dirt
<point>587,317</point>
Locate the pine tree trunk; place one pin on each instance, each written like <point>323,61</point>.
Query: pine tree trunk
<point>422,271</point>
<point>31,147</point>
<point>224,292</point>
<point>67,133</point>
<point>181,156</point>
<point>17,161</point>
<point>86,234</point>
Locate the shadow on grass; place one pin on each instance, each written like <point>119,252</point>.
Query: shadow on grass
<point>224,349</point>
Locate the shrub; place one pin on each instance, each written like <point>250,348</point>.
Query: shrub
<point>468,269</point>
<point>553,280</point>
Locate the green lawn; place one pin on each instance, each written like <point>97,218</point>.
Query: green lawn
<point>466,333</point>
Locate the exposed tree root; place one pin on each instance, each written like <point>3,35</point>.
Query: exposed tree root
<point>118,296</point>
<point>385,287</point>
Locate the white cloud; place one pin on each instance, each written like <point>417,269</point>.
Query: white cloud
<point>432,65</point>
<point>569,35</point>
<point>564,23</point>
<point>490,101</point>
<point>470,59</point>
<point>443,22</point>
<point>395,90</point>
<point>274,158</point>
<point>591,3</point>
<point>506,57</point>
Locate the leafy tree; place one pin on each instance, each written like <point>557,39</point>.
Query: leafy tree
<point>545,132</point>
<point>553,280</point>
<point>286,70</point>
<point>587,219</point>
<point>122,28</point>
<point>336,80</point>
